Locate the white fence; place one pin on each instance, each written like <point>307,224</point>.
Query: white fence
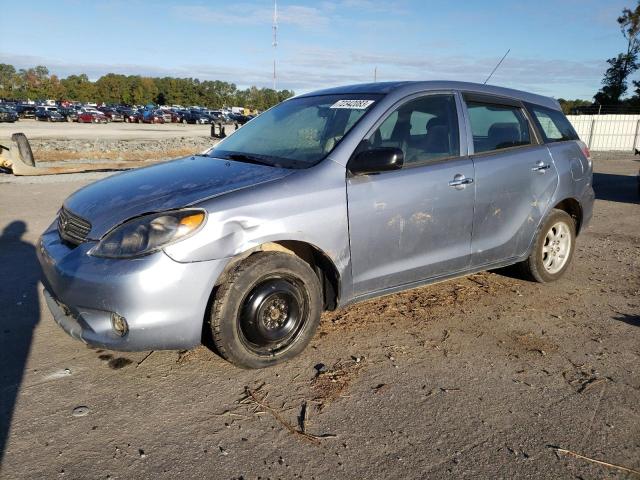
<point>608,132</point>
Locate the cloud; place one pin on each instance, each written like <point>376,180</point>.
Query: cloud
<point>315,17</point>
<point>313,68</point>
<point>514,71</point>
<point>248,14</point>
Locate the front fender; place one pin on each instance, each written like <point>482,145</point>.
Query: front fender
<point>308,206</point>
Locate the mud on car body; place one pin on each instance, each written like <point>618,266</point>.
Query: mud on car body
<point>326,199</point>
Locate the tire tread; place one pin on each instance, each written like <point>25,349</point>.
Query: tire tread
<point>227,288</point>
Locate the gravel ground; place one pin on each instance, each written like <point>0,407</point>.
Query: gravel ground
<point>116,130</point>
<point>479,377</point>
<point>74,142</point>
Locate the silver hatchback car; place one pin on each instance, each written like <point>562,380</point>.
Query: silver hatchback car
<point>326,199</point>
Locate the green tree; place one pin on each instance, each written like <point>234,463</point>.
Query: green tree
<point>569,106</point>
<point>143,90</point>
<point>78,88</point>
<point>621,67</point>
<point>36,83</point>
<point>33,82</point>
<point>112,88</point>
<point>8,81</point>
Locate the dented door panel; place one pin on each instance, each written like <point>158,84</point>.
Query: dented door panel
<point>512,196</point>
<point>409,225</point>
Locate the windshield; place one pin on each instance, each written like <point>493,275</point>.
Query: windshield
<point>297,133</point>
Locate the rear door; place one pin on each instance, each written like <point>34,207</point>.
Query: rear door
<point>415,223</point>
<point>515,178</point>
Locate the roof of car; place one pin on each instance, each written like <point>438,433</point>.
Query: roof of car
<point>416,86</point>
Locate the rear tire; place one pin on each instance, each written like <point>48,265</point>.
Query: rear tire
<point>552,249</point>
<point>266,310</point>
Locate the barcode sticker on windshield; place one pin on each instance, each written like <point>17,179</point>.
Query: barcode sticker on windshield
<point>352,104</point>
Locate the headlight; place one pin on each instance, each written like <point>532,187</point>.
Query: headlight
<point>146,234</point>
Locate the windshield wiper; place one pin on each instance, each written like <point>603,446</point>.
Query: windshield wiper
<point>246,158</point>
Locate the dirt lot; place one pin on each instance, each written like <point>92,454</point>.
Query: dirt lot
<point>479,377</point>
<point>114,130</point>
<point>80,142</point>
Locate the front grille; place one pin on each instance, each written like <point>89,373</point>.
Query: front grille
<point>72,228</point>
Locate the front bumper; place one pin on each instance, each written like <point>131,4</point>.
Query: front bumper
<point>163,301</point>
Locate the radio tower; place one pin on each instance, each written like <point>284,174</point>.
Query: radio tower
<point>275,39</point>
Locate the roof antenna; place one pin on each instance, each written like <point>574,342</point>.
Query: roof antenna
<point>496,67</point>
<point>275,38</point>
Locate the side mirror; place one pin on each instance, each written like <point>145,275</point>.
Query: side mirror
<point>376,160</point>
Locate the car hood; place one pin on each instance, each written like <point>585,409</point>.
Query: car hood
<point>165,186</point>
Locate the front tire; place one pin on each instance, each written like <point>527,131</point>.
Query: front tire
<point>553,248</point>
<point>266,310</point>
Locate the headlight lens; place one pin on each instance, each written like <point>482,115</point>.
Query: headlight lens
<point>146,234</point>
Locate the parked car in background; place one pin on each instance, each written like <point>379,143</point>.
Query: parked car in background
<point>92,116</point>
<point>112,114</point>
<point>70,114</point>
<point>130,115</point>
<point>49,114</point>
<point>194,116</point>
<point>176,117</point>
<point>166,115</point>
<point>152,116</point>
<point>8,115</point>
<point>239,118</point>
<point>26,111</point>
<point>216,116</point>
<point>327,199</point>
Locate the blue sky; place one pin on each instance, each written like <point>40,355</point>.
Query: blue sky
<point>558,48</point>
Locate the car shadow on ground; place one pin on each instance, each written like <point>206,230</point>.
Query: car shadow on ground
<point>633,320</point>
<point>616,188</point>
<point>20,313</point>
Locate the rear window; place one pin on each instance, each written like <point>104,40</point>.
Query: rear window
<point>553,124</point>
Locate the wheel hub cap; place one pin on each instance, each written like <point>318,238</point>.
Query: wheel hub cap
<point>275,313</point>
<point>556,247</point>
<point>272,314</point>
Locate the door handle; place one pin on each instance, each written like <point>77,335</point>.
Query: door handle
<point>541,167</point>
<point>460,181</point>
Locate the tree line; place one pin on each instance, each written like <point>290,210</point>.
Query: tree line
<point>615,84</point>
<point>38,83</point>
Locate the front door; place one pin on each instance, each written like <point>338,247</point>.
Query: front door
<point>415,223</point>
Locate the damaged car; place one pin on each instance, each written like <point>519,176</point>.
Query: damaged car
<point>329,198</point>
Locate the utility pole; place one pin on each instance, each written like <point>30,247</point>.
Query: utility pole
<point>275,39</point>
<point>375,74</point>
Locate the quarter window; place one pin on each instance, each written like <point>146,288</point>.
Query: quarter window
<point>495,127</point>
<point>425,129</point>
<point>554,125</point>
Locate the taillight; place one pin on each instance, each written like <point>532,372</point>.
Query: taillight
<point>585,151</point>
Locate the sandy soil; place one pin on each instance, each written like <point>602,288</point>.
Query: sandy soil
<point>479,377</point>
<point>115,130</point>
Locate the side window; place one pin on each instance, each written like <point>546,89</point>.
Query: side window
<point>495,127</point>
<point>425,129</point>
<point>386,129</point>
<point>553,124</point>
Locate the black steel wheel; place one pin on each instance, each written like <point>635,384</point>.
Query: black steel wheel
<point>266,310</point>
<point>272,315</point>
